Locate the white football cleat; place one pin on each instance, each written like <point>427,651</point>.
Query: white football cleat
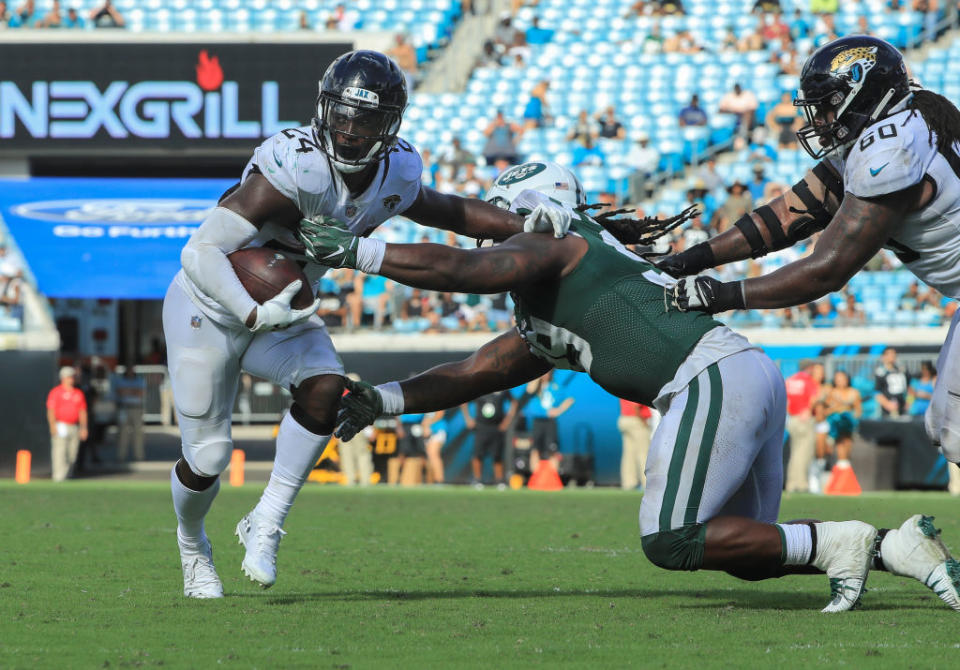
<point>915,550</point>
<point>261,539</point>
<point>200,578</point>
<point>844,551</point>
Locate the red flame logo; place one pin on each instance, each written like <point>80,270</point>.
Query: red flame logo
<point>209,73</point>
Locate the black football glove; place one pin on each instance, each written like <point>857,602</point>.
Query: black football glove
<point>706,294</point>
<point>358,409</point>
<point>694,260</point>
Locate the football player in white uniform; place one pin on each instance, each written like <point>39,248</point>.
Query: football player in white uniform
<point>890,176</point>
<point>349,165</point>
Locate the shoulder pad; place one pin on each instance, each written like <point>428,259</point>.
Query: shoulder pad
<point>405,161</point>
<point>292,162</point>
<point>889,156</point>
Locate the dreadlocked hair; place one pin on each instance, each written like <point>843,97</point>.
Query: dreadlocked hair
<point>643,231</point>
<point>941,116</point>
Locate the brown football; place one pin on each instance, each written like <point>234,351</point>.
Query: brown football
<point>265,272</point>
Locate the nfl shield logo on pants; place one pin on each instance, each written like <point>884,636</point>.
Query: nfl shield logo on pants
<point>195,321</point>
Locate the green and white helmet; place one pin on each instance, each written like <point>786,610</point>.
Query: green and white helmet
<point>551,179</point>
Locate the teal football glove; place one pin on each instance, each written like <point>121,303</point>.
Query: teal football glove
<point>358,409</point>
<point>328,242</point>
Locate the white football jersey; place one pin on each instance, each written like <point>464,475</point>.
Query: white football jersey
<point>896,153</point>
<point>293,163</point>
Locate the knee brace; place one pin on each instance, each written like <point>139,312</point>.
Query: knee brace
<point>677,549</point>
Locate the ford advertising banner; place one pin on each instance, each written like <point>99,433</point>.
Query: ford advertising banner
<point>120,97</point>
<point>105,238</point>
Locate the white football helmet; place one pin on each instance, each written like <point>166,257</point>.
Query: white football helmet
<point>551,179</point>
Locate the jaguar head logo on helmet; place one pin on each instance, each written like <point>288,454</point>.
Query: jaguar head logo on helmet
<point>845,85</point>
<point>359,108</point>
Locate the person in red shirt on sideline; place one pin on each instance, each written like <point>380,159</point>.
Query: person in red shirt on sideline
<point>634,426</point>
<point>67,416</point>
<point>803,389</point>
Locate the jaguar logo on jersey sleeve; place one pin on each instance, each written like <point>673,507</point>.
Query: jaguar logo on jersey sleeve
<point>390,202</point>
<point>853,64</point>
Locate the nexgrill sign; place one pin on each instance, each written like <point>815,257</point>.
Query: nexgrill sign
<point>156,96</point>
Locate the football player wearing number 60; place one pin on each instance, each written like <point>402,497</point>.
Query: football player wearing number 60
<point>585,302</point>
<point>348,164</point>
<point>890,177</point>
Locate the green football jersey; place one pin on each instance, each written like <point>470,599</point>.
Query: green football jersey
<point>610,319</point>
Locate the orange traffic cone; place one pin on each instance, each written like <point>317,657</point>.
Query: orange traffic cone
<point>843,481</point>
<point>545,478</point>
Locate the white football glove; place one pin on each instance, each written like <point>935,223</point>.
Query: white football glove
<point>545,215</point>
<point>277,312</point>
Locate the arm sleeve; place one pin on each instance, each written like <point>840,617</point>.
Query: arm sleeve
<point>205,262</point>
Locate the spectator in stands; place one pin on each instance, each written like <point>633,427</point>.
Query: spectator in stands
<point>652,42</point>
<point>345,19</point>
<point>73,19</point>
<point>729,41</point>
<point>537,35</point>
<point>644,160</point>
<point>695,232</point>
<point>824,30</point>
<point>783,120</point>
<point>758,184</point>
<point>669,7</point>
<point>851,313</point>
<point>863,25</point>
<point>25,16</point>
<point>67,418</point>
<point>501,140</point>
<point>535,114</point>
<point>758,149</point>
<point>406,56</point>
<point>911,299</point>
<point>490,55</point>
<point>5,15</point>
<point>891,384</point>
<point>753,41</point>
<point>638,8</point>
<point>843,410</point>
<point>707,172</point>
<point>609,126</point>
<point>491,417</point>
<point>824,314</point>
<point>803,388</point>
<point>635,428</point>
<point>130,390</point>
<point>764,6</point>
<point>921,390</point>
<point>505,35</point>
<point>303,21</point>
<point>799,28</point>
<point>469,183</point>
<point>457,156</point>
<point>682,42</point>
<point>584,133</point>
<point>53,18</point>
<point>107,16</point>
<point>738,202</point>
<point>741,102</point>
<point>776,29</point>
<point>692,114</point>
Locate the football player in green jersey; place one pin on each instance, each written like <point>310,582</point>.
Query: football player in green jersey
<point>585,302</point>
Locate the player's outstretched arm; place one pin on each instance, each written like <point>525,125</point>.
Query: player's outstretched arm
<point>464,216</point>
<point>500,364</point>
<point>523,258</point>
<point>803,210</point>
<point>855,234</point>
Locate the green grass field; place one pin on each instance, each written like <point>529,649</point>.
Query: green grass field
<point>90,577</point>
